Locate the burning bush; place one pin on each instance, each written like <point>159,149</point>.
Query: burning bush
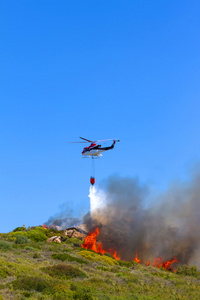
<point>64,271</point>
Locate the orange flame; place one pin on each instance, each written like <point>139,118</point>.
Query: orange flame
<point>90,243</point>
<point>158,262</point>
<point>136,259</point>
<point>116,256</point>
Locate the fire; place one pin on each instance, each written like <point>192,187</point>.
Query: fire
<point>116,256</point>
<point>136,259</point>
<point>91,244</point>
<point>158,262</point>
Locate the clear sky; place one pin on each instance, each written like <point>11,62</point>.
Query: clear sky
<point>98,69</point>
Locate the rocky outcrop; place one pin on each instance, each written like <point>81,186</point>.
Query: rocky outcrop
<point>56,239</point>
<point>76,232</point>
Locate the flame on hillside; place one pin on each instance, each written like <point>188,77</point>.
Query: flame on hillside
<point>136,259</point>
<point>165,264</point>
<point>92,244</point>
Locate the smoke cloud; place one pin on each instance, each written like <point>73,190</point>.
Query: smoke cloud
<point>63,219</point>
<point>169,227</point>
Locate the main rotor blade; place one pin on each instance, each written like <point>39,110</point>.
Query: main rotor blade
<point>107,140</point>
<point>76,142</point>
<point>86,139</point>
<point>89,141</point>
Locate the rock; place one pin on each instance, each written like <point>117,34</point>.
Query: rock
<point>75,232</point>
<point>56,239</point>
<point>68,232</point>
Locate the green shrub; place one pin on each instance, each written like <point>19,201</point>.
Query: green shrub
<point>4,272</point>
<point>27,294</point>
<point>37,235</point>
<point>21,239</point>
<point>81,295</point>
<point>67,257</point>
<point>66,250</point>
<point>2,286</point>
<point>51,232</point>
<point>33,283</point>
<point>19,229</point>
<point>187,270</point>
<point>80,292</point>
<point>62,291</point>
<point>102,268</point>
<point>64,271</point>
<point>5,245</point>
<point>54,248</point>
<point>36,255</point>
<point>29,248</point>
<point>93,256</point>
<point>114,269</point>
<point>76,242</point>
<point>126,264</point>
<point>108,254</point>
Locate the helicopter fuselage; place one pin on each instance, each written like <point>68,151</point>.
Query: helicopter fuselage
<point>96,150</point>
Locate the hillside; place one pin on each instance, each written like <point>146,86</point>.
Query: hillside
<point>31,268</point>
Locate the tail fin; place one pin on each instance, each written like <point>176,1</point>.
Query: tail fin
<point>114,141</point>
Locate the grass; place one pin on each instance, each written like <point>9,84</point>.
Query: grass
<point>38,270</point>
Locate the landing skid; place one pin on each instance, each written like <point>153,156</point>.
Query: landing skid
<point>92,156</point>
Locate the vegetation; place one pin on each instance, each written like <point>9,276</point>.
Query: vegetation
<point>67,257</point>
<point>188,271</point>
<point>5,245</point>
<point>64,271</point>
<point>31,268</point>
<point>21,239</point>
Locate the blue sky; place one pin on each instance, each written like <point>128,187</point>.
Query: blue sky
<point>97,69</point>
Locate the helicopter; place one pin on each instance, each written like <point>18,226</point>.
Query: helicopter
<point>94,150</point>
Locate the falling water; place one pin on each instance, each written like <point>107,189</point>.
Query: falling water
<point>97,200</point>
